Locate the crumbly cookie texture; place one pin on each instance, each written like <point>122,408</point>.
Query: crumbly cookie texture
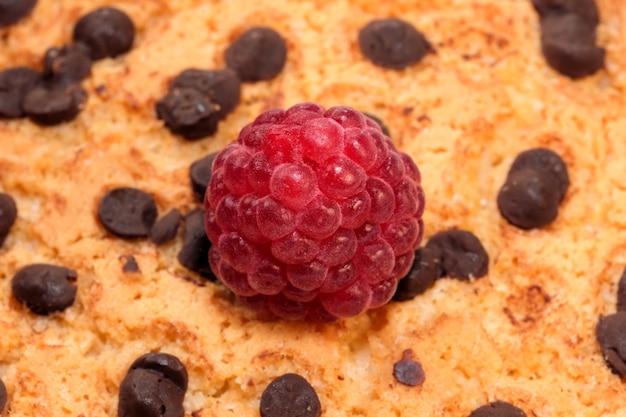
<point>523,334</point>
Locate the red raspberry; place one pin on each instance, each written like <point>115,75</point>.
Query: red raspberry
<point>313,213</point>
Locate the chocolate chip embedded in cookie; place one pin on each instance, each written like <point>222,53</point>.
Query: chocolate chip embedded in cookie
<point>44,288</point>
<point>408,371</point>
<point>165,228</point>
<point>188,113</point>
<point>290,395</point>
<point>611,336</point>
<point>258,54</point>
<point>127,212</point>
<point>461,253</point>
<point>8,215</point>
<point>107,32</point>
<point>546,160</point>
<point>12,11</point>
<point>585,9</point>
<point>3,395</point>
<point>51,105</point>
<point>393,43</point>
<point>193,254</point>
<point>498,409</point>
<point>221,87</point>
<point>67,65</point>
<point>15,83</point>
<point>200,175</point>
<point>425,270</point>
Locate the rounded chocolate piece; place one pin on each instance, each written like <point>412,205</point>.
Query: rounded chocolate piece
<point>584,9</point>
<point>196,245</point>
<point>8,215</point>
<point>50,106</point>
<point>545,160</point>
<point>147,393</point>
<point>15,83</point>
<point>529,199</point>
<point>165,364</point>
<point>3,396</point>
<point>188,113</point>
<point>165,228</point>
<point>392,43</point>
<point>67,65</point>
<point>222,87</point>
<point>107,32</point>
<point>258,54</point>
<point>127,212</point>
<point>611,336</point>
<point>290,395</point>
<point>461,254</point>
<point>498,409</point>
<point>12,11</point>
<point>425,270</point>
<point>407,371</point>
<point>44,288</point>
<point>200,174</point>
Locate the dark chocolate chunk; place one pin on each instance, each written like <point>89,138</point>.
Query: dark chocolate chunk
<point>546,160</point>
<point>425,270</point>
<point>569,46</point>
<point>290,395</point>
<point>67,65</point>
<point>107,32</point>
<point>194,253</point>
<point>44,288</point>
<point>127,212</point>
<point>408,371</point>
<point>611,336</point>
<point>15,83</point>
<point>461,254</point>
<point>379,122</point>
<point>168,365</point>
<point>393,43</point>
<point>200,175</point>
<point>498,409</point>
<point>188,113</point>
<point>166,227</point>
<point>585,9</point>
<point>222,87</point>
<point>147,393</point>
<point>49,106</point>
<point>621,292</point>
<point>529,199</point>
<point>8,215</point>
<point>258,54</point>
<point>130,265</point>
<point>12,11</point>
<point>3,396</point>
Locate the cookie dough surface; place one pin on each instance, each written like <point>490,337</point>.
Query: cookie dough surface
<point>524,333</point>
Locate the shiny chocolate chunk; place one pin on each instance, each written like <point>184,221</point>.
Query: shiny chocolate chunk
<point>585,9</point>
<point>611,336</point>
<point>425,270</point>
<point>3,396</point>
<point>529,199</point>
<point>393,43</point>
<point>44,288</point>
<point>196,245</point>
<point>15,83</point>
<point>166,227</point>
<point>498,409</point>
<point>12,11</point>
<point>546,160</point>
<point>461,254</point>
<point>258,54</point>
<point>107,32</point>
<point>379,122</point>
<point>200,175</point>
<point>407,371</point>
<point>49,106</point>
<point>67,65</point>
<point>221,87</point>
<point>621,292</point>
<point>8,215</point>
<point>290,395</point>
<point>168,365</point>
<point>130,265</point>
<point>127,212</point>
<point>188,113</point>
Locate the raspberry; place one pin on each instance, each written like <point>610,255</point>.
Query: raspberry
<point>313,214</point>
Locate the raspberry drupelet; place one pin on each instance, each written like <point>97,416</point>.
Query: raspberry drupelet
<point>313,213</point>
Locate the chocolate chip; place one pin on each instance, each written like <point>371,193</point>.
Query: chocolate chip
<point>425,270</point>
<point>15,83</point>
<point>67,65</point>
<point>188,113</point>
<point>222,87</point>
<point>130,265</point>
<point>8,215</point>
<point>529,199</point>
<point>3,396</point>
<point>258,54</point>
<point>44,288</point>
<point>165,228</point>
<point>611,336</point>
<point>546,160</point>
<point>49,106</point>
<point>498,409</point>
<point>407,371</point>
<point>569,46</point>
<point>461,254</point>
<point>585,9</point>
<point>379,122</point>
<point>107,32</point>
<point>146,393</point>
<point>168,365</point>
<point>127,212</point>
<point>200,175</point>
<point>392,43</point>
<point>194,253</point>
<point>621,292</point>
<point>12,11</point>
<point>290,395</point>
